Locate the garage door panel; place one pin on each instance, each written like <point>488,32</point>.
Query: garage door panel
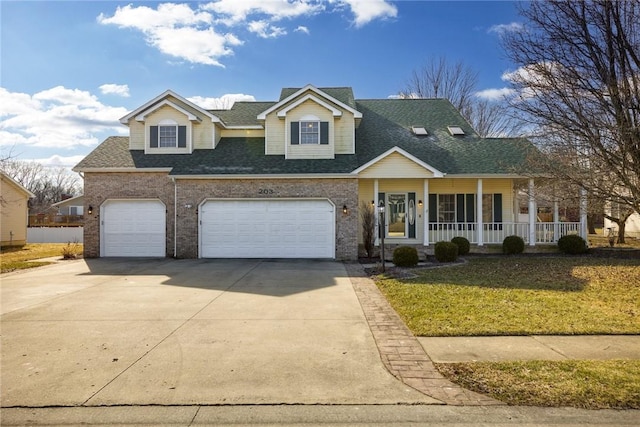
<point>267,229</point>
<point>133,228</point>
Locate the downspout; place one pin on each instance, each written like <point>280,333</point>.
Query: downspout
<point>175,217</point>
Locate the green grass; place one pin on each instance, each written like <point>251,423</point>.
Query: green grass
<point>20,258</point>
<point>588,384</point>
<point>525,295</point>
<point>521,296</point>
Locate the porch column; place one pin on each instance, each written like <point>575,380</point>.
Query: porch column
<point>479,227</point>
<point>532,213</point>
<point>583,213</point>
<point>556,220</point>
<point>425,211</point>
<point>375,210</point>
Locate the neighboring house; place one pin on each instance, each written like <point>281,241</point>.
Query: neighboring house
<point>14,212</point>
<point>73,206</point>
<point>632,224</point>
<point>286,179</point>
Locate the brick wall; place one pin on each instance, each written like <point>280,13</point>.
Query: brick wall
<point>98,187</point>
<point>192,192</point>
<point>340,191</point>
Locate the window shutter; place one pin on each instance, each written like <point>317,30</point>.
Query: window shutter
<point>295,133</point>
<point>381,201</point>
<point>412,226</point>
<point>497,207</point>
<point>471,208</point>
<point>433,208</point>
<point>153,136</point>
<point>182,136</point>
<point>324,133</point>
<point>459,208</point>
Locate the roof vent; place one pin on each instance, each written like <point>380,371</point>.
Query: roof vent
<point>455,130</point>
<point>419,130</point>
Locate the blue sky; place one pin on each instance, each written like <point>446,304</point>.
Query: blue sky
<point>71,69</point>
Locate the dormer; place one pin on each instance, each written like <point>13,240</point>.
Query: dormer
<point>311,123</point>
<point>170,124</point>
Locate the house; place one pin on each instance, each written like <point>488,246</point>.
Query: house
<point>286,179</point>
<point>73,206</point>
<point>632,224</point>
<point>14,212</point>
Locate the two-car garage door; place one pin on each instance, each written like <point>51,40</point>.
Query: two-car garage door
<point>295,228</point>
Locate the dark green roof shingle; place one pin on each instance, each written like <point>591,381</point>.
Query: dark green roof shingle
<point>386,123</point>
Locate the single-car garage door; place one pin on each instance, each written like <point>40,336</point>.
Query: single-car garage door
<point>267,229</point>
<point>133,228</point>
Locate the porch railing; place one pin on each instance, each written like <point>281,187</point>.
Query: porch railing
<point>494,233</point>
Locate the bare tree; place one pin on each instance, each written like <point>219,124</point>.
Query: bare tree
<point>368,218</point>
<point>47,184</point>
<point>579,86</point>
<point>458,82</point>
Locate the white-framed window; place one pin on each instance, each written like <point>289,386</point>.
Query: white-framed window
<point>309,132</point>
<point>446,208</point>
<point>167,136</point>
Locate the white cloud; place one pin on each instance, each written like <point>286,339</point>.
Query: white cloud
<point>60,161</point>
<point>233,12</point>
<point>265,30</point>
<point>506,28</point>
<point>192,32</point>
<point>366,11</point>
<point>225,102</point>
<point>121,90</point>
<point>56,117</point>
<point>176,30</point>
<point>495,94</point>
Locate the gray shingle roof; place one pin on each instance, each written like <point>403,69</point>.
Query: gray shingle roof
<point>242,113</point>
<point>342,94</point>
<point>386,123</point>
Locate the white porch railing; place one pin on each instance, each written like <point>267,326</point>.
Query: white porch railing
<point>494,233</point>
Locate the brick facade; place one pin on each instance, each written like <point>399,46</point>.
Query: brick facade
<point>192,192</point>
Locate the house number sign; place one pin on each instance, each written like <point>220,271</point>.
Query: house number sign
<point>266,191</point>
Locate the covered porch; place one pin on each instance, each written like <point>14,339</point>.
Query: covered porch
<point>484,210</point>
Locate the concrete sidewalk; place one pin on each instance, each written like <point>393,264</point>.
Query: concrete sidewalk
<point>537,347</point>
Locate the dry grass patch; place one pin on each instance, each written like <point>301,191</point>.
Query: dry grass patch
<point>585,384</point>
<point>521,296</point>
<point>20,258</point>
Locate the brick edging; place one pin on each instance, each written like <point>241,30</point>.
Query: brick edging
<point>400,351</point>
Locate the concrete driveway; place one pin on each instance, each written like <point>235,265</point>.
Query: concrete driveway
<point>184,332</point>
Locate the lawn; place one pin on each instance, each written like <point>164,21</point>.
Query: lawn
<point>522,295</point>
<point>589,384</point>
<point>20,258</point>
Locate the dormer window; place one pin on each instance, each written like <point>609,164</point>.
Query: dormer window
<point>309,132</point>
<point>168,134</point>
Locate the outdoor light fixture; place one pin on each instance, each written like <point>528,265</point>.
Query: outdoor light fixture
<point>90,211</point>
<point>420,203</point>
<point>373,203</point>
<point>344,209</point>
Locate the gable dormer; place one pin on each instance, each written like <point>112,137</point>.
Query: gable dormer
<point>310,123</point>
<point>170,124</point>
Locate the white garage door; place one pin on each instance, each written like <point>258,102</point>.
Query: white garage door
<point>133,228</point>
<point>267,229</point>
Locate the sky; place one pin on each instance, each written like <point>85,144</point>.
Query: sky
<point>69,70</point>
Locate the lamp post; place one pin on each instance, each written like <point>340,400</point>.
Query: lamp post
<point>382,231</point>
